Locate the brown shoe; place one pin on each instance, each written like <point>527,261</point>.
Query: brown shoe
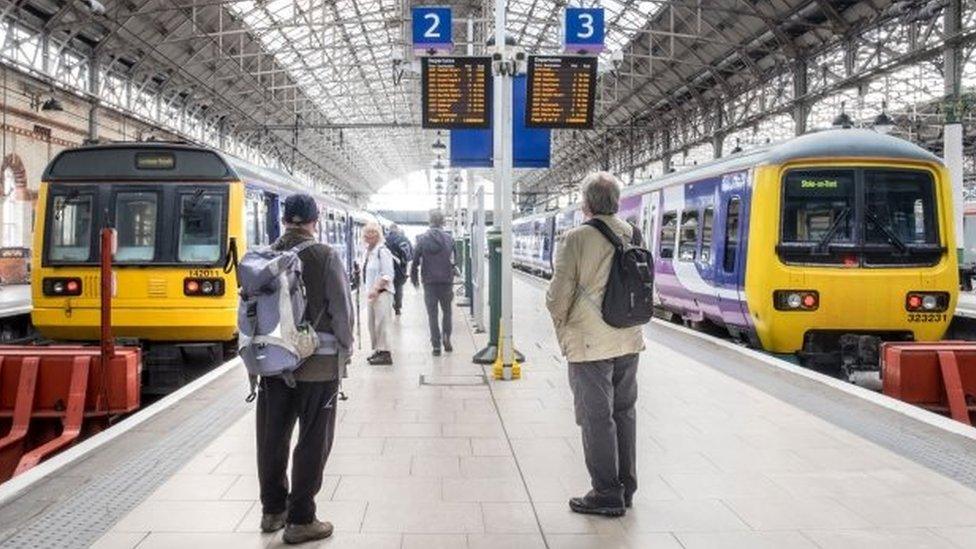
<point>301,533</point>
<point>272,522</point>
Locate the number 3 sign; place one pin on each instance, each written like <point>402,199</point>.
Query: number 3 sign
<point>432,28</point>
<point>584,29</point>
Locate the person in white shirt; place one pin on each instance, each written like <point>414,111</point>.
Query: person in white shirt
<point>378,278</point>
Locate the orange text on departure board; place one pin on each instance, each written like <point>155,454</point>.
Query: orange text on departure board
<point>456,92</point>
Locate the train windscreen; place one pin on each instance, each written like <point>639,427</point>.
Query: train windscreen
<point>859,217</point>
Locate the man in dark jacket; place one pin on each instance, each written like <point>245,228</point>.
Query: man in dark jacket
<point>402,251</point>
<point>314,399</point>
<point>434,258</point>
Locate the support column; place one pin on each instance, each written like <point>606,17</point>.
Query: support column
<point>800,109</point>
<point>94,77</point>
<point>666,152</point>
<point>953,145</point>
<point>718,136</point>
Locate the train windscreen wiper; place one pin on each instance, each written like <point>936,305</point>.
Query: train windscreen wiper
<point>892,237</point>
<point>832,230</point>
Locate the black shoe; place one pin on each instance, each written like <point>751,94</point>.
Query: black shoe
<point>272,522</point>
<point>437,351</point>
<point>382,358</point>
<point>396,312</point>
<point>447,345</point>
<point>592,505</point>
<point>301,533</point>
<point>372,356</point>
<point>629,501</point>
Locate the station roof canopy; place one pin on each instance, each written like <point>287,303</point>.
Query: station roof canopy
<point>337,74</point>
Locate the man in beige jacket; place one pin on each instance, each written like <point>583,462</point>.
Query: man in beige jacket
<point>602,359</point>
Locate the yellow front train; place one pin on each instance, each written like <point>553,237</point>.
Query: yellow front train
<point>848,249</point>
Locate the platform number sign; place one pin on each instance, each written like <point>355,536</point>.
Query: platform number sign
<point>584,30</point>
<point>432,28</point>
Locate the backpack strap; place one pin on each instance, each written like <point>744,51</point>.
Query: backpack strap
<point>303,245</point>
<point>607,233</point>
<point>636,239</point>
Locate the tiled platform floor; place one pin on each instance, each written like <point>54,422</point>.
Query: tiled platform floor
<point>721,465</point>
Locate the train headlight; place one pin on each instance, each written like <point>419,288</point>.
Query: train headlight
<point>204,287</point>
<point>59,286</point>
<point>928,302</point>
<point>796,300</point>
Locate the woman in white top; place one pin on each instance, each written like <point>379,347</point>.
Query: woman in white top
<point>378,274</point>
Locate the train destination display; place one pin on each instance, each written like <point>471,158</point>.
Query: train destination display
<point>456,92</point>
<point>561,91</point>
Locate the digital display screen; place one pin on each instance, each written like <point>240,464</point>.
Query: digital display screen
<point>456,92</point>
<point>155,161</point>
<point>561,92</point>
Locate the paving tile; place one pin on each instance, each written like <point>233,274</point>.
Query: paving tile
<point>509,518</point>
<point>427,446</point>
<point>893,538</point>
<point>484,490</point>
<point>377,489</point>
<point>488,467</point>
<point>377,466</point>
<point>505,541</point>
<point>169,540</point>
<point>556,518</point>
<point>795,513</point>
<point>119,540</point>
<point>744,540</point>
<point>194,487</point>
<point>435,466</point>
<point>908,511</point>
<point>964,537</point>
<point>184,516</point>
<point>342,540</point>
<point>722,485</point>
<point>699,515</point>
<point>435,541</point>
<point>432,518</point>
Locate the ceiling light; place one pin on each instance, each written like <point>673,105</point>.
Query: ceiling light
<point>52,104</point>
<point>883,123</point>
<point>842,120</point>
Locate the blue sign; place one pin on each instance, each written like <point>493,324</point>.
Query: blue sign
<point>432,28</point>
<point>584,29</point>
<point>530,146</point>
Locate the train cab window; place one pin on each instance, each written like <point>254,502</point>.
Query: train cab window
<point>899,204</point>
<point>135,221</point>
<point>708,219</point>
<point>731,235</point>
<point>71,228</point>
<point>669,228</point>
<point>200,227</point>
<point>818,206</point>
<point>688,240</point>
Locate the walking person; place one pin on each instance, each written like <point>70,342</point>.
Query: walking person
<point>434,259</point>
<point>602,359</point>
<point>378,282</point>
<point>402,251</point>
<point>313,400</point>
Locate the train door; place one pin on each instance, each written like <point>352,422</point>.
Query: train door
<point>730,248</point>
<point>705,261</point>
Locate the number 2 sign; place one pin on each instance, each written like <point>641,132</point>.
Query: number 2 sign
<point>584,29</point>
<point>432,28</point>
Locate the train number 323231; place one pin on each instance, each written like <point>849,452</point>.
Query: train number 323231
<point>927,317</point>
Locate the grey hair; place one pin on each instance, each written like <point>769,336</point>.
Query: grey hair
<point>436,218</point>
<point>601,193</point>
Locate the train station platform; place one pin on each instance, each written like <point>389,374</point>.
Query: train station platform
<point>736,450</point>
<point>15,299</point>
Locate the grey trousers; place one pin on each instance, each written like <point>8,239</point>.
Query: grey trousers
<point>605,395</point>
<point>439,296</point>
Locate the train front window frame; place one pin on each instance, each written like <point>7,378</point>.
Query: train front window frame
<point>137,232</point>
<point>889,219</point>
<point>207,247</point>
<point>74,246</point>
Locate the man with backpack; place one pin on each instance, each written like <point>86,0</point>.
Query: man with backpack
<point>310,393</point>
<point>602,338</point>
<point>402,251</point>
<point>434,259</point>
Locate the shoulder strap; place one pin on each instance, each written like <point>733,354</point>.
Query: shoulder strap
<point>303,245</point>
<point>636,239</point>
<point>607,233</point>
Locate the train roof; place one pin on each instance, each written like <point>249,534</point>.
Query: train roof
<point>135,161</point>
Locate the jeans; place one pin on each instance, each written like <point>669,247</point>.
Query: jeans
<point>604,397</point>
<point>313,405</point>
<point>439,296</point>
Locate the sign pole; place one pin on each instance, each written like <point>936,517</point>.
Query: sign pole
<point>505,362</point>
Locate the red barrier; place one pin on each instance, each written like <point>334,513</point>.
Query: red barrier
<point>939,376</point>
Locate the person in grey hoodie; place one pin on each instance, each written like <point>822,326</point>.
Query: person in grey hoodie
<point>434,258</point>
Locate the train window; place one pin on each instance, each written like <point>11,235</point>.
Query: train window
<point>708,219</point>
<point>669,227</point>
<point>201,221</point>
<point>71,228</point>
<point>688,240</point>
<point>135,221</point>
<point>899,204</point>
<point>817,205</point>
<point>251,223</point>
<point>731,235</point>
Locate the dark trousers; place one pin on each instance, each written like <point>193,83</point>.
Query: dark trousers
<point>398,295</point>
<point>439,296</point>
<point>605,395</point>
<point>313,405</point>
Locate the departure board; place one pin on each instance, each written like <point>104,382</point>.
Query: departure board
<point>561,92</point>
<point>456,92</point>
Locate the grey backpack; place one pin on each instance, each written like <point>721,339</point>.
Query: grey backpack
<point>274,338</point>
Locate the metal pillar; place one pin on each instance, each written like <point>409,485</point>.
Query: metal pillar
<point>93,85</point>
<point>666,152</point>
<point>478,261</point>
<point>800,110</point>
<point>953,144</point>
